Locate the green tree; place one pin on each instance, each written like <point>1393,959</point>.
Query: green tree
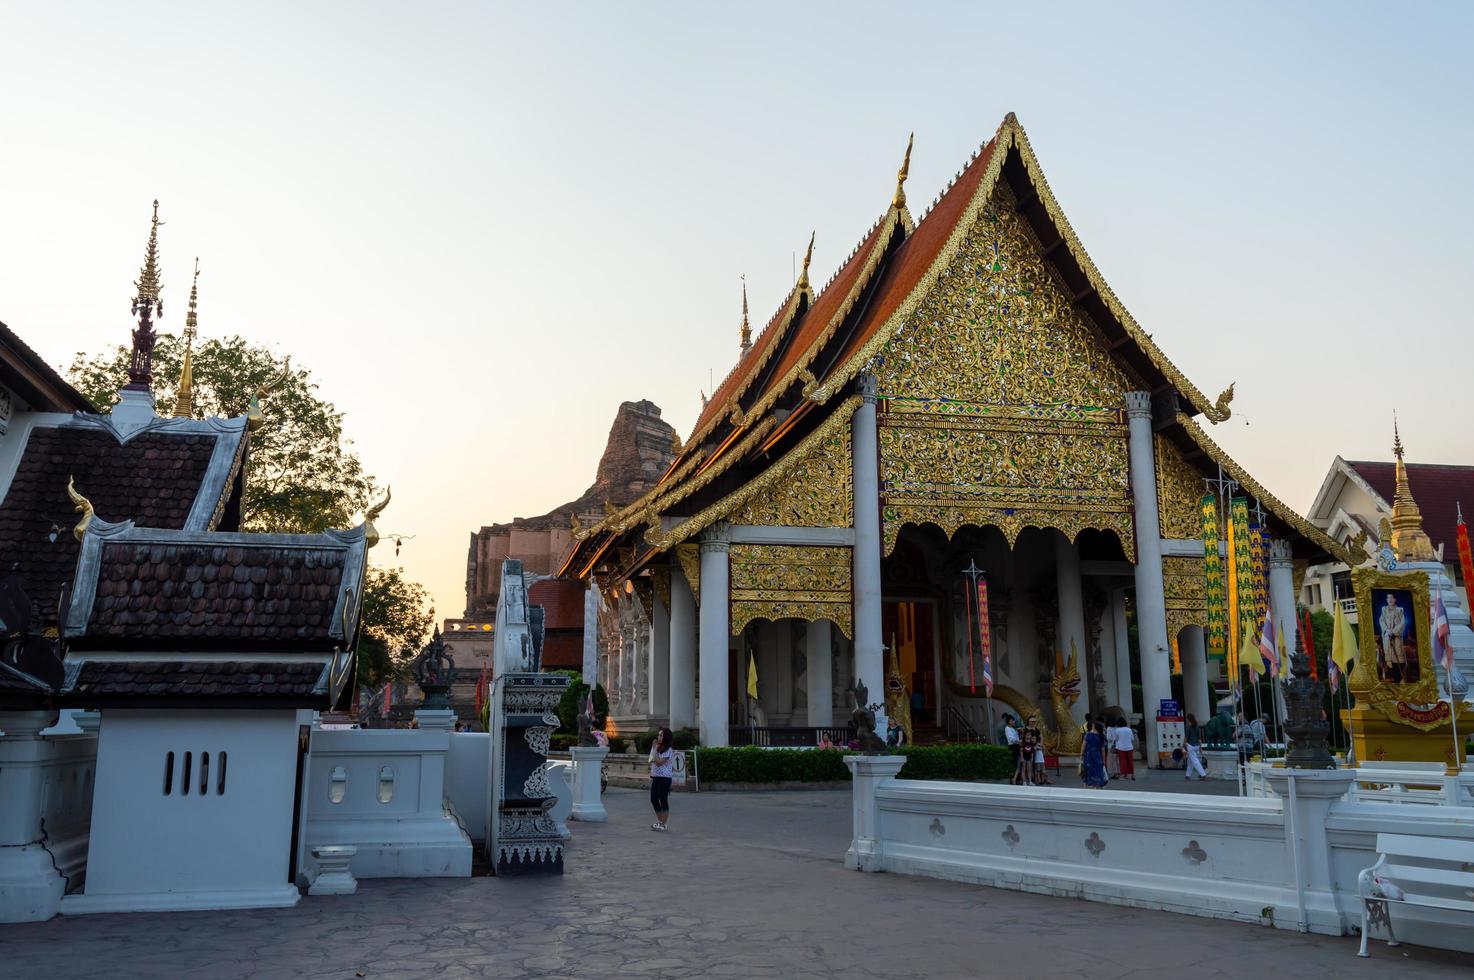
<point>396,619</point>
<point>303,474</point>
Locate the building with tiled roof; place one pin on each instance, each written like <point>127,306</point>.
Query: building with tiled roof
<point>1357,495</point>
<point>964,390</point>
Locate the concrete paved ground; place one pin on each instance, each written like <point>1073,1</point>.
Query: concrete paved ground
<point>743,885</point>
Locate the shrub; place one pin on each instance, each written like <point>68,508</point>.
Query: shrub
<point>572,703</point>
<point>956,762</point>
<point>685,738</point>
<point>562,743</point>
<point>618,743</point>
<point>757,765</point>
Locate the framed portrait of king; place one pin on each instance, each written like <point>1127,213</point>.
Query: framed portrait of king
<point>1393,633</point>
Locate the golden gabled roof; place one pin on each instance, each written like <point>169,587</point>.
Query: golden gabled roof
<point>1273,504</point>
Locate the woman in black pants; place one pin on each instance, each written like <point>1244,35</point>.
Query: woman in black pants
<point>662,761</point>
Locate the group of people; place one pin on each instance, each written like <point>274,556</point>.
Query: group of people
<point>1107,742</point>
<point>1026,745</point>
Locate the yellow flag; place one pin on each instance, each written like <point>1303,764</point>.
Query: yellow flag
<point>1249,656</point>
<point>1284,657</point>
<point>1343,641</point>
<point>752,678</point>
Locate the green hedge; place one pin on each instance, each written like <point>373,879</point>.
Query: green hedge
<point>755,765</point>
<point>685,738</point>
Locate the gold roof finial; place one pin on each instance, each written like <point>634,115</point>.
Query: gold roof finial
<point>899,201</point>
<point>146,307</point>
<point>184,401</point>
<point>147,283</point>
<point>371,533</point>
<point>1409,541</point>
<point>803,277</point>
<point>746,327</point>
<point>82,506</point>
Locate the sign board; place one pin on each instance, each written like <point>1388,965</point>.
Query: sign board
<point>678,767</point>
<point>1169,708</point>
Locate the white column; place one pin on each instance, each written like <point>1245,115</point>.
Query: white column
<point>1072,617</point>
<point>715,635</point>
<point>1108,651</point>
<point>591,633</point>
<point>682,650</point>
<point>818,662</point>
<point>30,884</point>
<point>1123,649</point>
<point>1282,590</point>
<point>659,673</point>
<point>869,645</point>
<point>1151,611</point>
<point>1194,653</point>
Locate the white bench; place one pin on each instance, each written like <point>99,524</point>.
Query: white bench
<point>1433,872</point>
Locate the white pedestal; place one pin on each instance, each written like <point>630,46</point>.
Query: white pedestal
<point>1308,796</point>
<point>588,762</point>
<point>869,771</point>
<point>560,778</point>
<point>333,876</point>
<point>436,719</point>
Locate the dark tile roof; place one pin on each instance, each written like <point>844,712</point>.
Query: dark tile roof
<point>189,593</point>
<point>152,480</point>
<point>562,601</point>
<point>563,650</point>
<point>1437,488</point>
<point>37,381</point>
<point>245,680</point>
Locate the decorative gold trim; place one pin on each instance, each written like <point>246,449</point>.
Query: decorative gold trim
<point>1276,506</point>
<point>791,582</point>
<point>1179,493</point>
<point>81,505</point>
<point>819,491</point>
<point>1364,682</point>
<point>950,516</point>
<point>778,471</point>
<point>689,555</point>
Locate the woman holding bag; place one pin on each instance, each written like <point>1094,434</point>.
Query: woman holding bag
<point>662,769</point>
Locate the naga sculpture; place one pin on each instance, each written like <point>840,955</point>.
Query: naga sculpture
<point>1219,412</point>
<point>1064,691</point>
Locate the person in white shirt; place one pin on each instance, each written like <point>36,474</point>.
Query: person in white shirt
<point>1113,767</point>
<point>1125,749</point>
<point>1011,736</point>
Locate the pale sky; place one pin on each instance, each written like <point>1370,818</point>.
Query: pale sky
<point>482,226</point>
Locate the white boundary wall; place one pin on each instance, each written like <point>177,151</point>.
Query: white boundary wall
<point>1267,860</point>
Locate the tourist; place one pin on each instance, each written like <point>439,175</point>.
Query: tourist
<point>895,735</point>
<point>1092,760</point>
<point>662,770</point>
<point>1011,737</point>
<point>1124,748</point>
<point>825,742</point>
<point>1243,738</point>
<point>1256,729</point>
<point>1193,742</point>
<point>1039,778</point>
<point>1113,767</point>
<point>1028,742</point>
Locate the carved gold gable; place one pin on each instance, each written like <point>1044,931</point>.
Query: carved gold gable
<point>1185,592</point>
<point>1001,405</point>
<point>815,492</point>
<point>791,581</point>
<point>1179,493</point>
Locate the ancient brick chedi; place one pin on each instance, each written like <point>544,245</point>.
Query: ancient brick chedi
<point>637,453</point>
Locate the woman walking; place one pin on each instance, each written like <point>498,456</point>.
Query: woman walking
<point>1193,741</point>
<point>1125,749</point>
<point>1092,761</point>
<point>662,763</point>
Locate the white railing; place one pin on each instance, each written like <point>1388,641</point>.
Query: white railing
<point>1425,783</point>
<point>1348,609</point>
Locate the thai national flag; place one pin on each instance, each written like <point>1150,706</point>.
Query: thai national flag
<point>1442,650</point>
<point>1266,644</point>
<point>988,674</point>
<point>1334,674</point>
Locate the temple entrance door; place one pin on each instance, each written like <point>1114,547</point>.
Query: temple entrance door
<point>911,625</point>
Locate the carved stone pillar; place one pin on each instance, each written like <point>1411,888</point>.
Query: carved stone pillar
<point>1151,604</point>
<point>1071,636</point>
<point>865,467</point>
<point>1193,650</point>
<point>659,673</point>
<point>1123,650</point>
<point>715,635</point>
<point>818,653</point>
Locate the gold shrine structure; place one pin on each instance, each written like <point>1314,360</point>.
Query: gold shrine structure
<point>964,388</point>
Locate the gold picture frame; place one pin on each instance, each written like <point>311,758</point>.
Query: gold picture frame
<point>1392,608</point>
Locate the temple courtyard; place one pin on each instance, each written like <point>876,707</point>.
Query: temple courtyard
<point>744,885</point>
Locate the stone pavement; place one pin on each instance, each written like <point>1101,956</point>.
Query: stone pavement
<point>743,885</point>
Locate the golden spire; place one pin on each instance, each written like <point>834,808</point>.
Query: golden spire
<point>82,506</point>
<point>1409,541</point>
<point>803,277</point>
<point>146,306</point>
<point>899,201</point>
<point>184,401</point>
<point>746,327</point>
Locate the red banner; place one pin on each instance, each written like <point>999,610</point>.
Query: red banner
<point>1466,561</point>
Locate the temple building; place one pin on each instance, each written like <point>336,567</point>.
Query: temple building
<point>966,391</point>
<point>1357,495</point>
